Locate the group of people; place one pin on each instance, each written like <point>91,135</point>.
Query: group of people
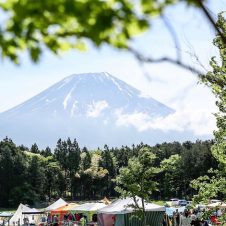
<point>191,217</point>
<point>79,219</point>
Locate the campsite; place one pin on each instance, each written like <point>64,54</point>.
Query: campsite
<point>106,213</point>
<point>112,112</point>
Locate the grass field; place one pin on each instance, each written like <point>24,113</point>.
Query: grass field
<point>159,202</point>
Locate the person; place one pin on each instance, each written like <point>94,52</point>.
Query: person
<point>55,220</point>
<point>77,217</point>
<point>49,219</point>
<point>177,218</point>
<point>195,222</point>
<point>205,223</point>
<point>82,220</point>
<point>94,220</point>
<point>165,220</point>
<point>174,219</point>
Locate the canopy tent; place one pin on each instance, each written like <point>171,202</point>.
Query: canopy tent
<point>5,217</point>
<point>18,217</point>
<point>64,208</point>
<point>61,211</point>
<point>59,203</point>
<point>121,211</point>
<point>32,211</point>
<point>123,206</point>
<point>88,209</point>
<point>6,214</point>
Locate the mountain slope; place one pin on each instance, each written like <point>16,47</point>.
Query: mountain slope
<point>90,107</point>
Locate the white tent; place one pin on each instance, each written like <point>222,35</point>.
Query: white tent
<point>32,211</point>
<point>59,203</point>
<point>120,213</point>
<point>89,207</point>
<point>123,206</point>
<point>18,215</point>
<point>213,205</point>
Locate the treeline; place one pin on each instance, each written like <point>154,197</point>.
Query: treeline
<point>31,175</point>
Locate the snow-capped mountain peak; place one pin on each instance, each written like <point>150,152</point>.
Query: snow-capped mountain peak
<point>79,105</point>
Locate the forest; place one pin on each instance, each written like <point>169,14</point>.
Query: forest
<point>34,176</point>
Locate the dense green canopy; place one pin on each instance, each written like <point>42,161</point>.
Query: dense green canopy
<point>35,178</point>
<point>60,25</point>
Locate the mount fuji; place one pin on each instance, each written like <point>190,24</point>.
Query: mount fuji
<point>94,108</point>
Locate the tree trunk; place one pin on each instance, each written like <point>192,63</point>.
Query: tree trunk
<point>144,215</point>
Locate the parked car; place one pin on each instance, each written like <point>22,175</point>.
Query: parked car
<point>215,200</point>
<point>174,201</point>
<point>182,202</point>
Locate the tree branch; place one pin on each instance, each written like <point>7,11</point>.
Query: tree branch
<point>174,37</point>
<point>211,20</point>
<point>179,63</point>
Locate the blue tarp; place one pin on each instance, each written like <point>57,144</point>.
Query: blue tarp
<point>170,210</point>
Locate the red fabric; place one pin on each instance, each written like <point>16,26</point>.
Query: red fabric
<point>214,220</point>
<point>77,217</point>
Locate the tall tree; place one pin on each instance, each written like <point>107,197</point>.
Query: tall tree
<point>216,79</point>
<point>34,148</point>
<point>67,153</point>
<point>137,179</point>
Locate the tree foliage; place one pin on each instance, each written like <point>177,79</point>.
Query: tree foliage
<point>216,79</point>
<point>61,25</point>
<point>137,180</point>
<point>37,178</point>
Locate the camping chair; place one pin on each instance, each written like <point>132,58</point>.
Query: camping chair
<point>214,220</point>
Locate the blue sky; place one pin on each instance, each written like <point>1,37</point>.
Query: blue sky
<point>171,85</point>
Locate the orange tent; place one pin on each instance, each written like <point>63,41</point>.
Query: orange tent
<point>61,211</point>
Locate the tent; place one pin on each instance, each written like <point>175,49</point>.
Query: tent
<point>59,203</point>
<point>19,215</point>
<point>6,214</point>
<point>88,209</point>
<point>32,211</point>
<point>5,217</point>
<point>121,212</point>
<point>61,211</point>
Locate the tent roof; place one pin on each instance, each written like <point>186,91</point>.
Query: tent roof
<point>18,214</point>
<point>32,211</point>
<point>6,214</point>
<point>59,203</point>
<point>89,207</point>
<point>122,206</point>
<point>65,208</point>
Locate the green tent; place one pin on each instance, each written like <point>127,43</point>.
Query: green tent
<point>121,213</point>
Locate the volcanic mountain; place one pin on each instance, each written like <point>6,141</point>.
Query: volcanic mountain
<point>94,108</point>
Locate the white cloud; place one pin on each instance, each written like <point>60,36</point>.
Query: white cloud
<point>200,122</point>
<point>95,109</point>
